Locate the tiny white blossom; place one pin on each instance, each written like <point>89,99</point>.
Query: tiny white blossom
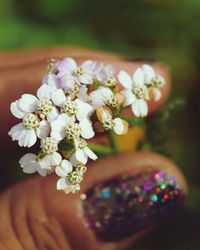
<point>154,80</point>
<point>44,165</point>
<point>78,108</point>
<point>31,109</point>
<point>135,92</point>
<point>100,97</point>
<point>118,125</point>
<point>83,152</point>
<point>103,72</point>
<point>63,183</point>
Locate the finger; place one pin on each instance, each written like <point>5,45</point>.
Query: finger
<point>21,72</point>
<point>124,197</point>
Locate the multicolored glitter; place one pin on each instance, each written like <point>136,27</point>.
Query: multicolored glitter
<point>126,204</point>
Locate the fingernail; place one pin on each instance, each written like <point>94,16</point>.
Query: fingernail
<point>123,206</point>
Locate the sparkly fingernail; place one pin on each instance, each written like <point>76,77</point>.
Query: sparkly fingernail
<point>123,206</point>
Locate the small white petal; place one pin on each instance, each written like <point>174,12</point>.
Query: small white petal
<point>118,126</point>
<point>73,160</point>
<point>16,111</point>
<point>140,108</point>
<point>81,156</point>
<point>87,131</point>
<point>62,184</point>
<point>84,110</point>
<point>52,115</point>
<point>138,77</point>
<point>129,97</point>
<point>54,159</point>
<point>58,126</point>
<point>42,171</point>
<point>58,97</point>
<point>44,129</point>
<point>45,91</point>
<point>27,158</point>
<point>149,73</point>
<point>15,129</point>
<point>30,138</point>
<point>125,79</point>
<point>28,103</point>
<point>156,94</point>
<point>90,153</point>
<point>64,169</point>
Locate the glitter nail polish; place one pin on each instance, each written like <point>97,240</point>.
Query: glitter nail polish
<point>123,206</point>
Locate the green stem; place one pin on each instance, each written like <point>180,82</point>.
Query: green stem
<point>113,141</point>
<point>100,149</point>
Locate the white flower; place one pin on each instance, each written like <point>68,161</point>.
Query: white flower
<point>44,165</point>
<point>62,171</point>
<point>100,97</point>
<point>31,109</point>
<point>82,152</point>
<point>118,125</point>
<point>135,92</point>
<point>78,108</point>
<point>65,126</point>
<point>70,73</point>
<point>26,132</point>
<point>155,81</point>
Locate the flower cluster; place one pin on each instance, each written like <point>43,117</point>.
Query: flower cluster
<point>74,103</point>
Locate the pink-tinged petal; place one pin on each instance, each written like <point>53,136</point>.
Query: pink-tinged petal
<point>149,73</point>
<point>138,77</point>
<point>58,97</point>
<point>68,64</point>
<point>67,82</point>
<point>129,97</point>
<point>51,80</point>
<point>44,129</point>
<point>87,131</point>
<point>88,65</point>
<point>86,78</point>
<point>82,95</point>
<point>125,79</point>
<point>28,103</point>
<point>16,111</point>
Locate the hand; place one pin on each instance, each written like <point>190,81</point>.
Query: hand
<point>36,216</point>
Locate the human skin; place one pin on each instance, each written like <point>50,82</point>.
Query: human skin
<point>33,214</point>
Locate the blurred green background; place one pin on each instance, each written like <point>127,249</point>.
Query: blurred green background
<point>167,30</point>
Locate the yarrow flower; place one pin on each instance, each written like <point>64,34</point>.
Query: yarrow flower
<point>73,104</point>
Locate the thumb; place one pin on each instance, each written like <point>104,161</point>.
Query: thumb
<point>122,198</point>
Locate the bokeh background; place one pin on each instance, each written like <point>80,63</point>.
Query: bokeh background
<point>166,30</point>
